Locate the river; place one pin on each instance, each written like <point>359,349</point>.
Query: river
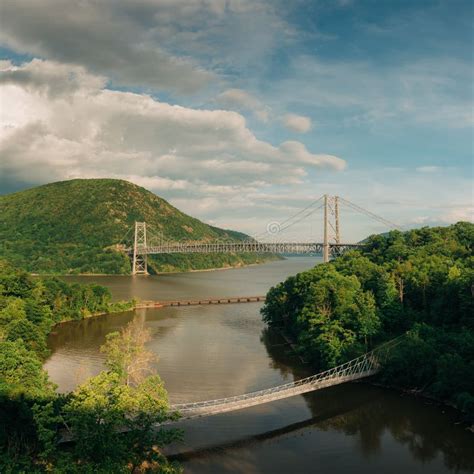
<point>208,352</point>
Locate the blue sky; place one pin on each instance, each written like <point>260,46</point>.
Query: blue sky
<point>239,112</point>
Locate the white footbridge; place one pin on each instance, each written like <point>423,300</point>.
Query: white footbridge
<point>358,368</point>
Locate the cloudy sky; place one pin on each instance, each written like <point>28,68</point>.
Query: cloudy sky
<point>241,112</point>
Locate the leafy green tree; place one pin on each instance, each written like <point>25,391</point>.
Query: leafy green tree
<point>21,372</point>
<point>419,281</point>
<point>330,314</point>
<point>115,417</point>
<point>24,330</point>
<point>14,283</point>
<point>13,310</point>
<point>127,355</point>
<point>33,416</point>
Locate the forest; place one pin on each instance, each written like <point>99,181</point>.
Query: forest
<point>84,225</point>
<point>34,418</point>
<point>418,284</point>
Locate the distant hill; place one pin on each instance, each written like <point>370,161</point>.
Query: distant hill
<point>73,226</point>
<point>382,234</point>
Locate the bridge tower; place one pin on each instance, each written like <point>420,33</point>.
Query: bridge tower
<point>332,232</point>
<point>139,264</point>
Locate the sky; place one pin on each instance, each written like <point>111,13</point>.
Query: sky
<point>242,112</point>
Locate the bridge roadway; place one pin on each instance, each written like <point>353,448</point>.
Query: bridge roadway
<point>297,248</point>
<point>361,367</point>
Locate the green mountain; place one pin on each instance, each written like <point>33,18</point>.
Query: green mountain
<point>75,226</point>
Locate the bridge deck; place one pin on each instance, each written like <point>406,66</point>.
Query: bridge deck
<point>200,411</point>
<point>205,301</point>
<point>297,248</point>
<point>358,368</point>
<point>363,366</point>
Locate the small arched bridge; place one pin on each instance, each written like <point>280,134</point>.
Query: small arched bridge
<point>358,368</point>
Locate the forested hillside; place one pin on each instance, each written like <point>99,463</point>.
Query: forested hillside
<point>420,282</point>
<point>34,417</point>
<point>74,226</point>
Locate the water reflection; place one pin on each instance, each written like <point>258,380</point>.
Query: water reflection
<point>426,431</point>
<point>370,413</point>
<point>216,351</point>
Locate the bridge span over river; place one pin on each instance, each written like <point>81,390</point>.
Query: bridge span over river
<point>361,367</point>
<point>146,242</point>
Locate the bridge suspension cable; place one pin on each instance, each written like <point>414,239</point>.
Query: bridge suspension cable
<point>282,225</point>
<point>144,240</point>
<point>376,217</point>
<point>291,224</point>
<point>123,241</point>
<point>363,366</point>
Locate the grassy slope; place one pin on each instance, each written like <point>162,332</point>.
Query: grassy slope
<point>72,226</point>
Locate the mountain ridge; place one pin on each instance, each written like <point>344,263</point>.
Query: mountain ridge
<point>74,226</point>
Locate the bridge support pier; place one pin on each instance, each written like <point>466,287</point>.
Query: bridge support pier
<point>331,225</point>
<point>139,262</point>
<point>326,230</point>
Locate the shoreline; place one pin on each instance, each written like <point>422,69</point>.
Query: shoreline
<point>177,272</point>
<point>97,315</point>
<point>137,304</point>
<point>417,394</point>
<point>401,391</point>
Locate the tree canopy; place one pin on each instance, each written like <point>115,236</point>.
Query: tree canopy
<point>420,281</point>
<point>111,417</point>
<point>74,227</point>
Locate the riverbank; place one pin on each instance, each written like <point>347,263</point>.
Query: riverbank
<point>418,394</point>
<point>239,265</point>
<point>210,352</point>
<point>118,307</point>
<point>134,304</point>
<point>467,419</point>
<point>231,267</point>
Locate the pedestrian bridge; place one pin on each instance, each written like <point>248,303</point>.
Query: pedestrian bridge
<point>358,368</point>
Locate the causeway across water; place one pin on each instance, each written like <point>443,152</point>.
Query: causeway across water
<point>196,302</point>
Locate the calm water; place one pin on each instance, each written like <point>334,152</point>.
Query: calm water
<point>208,352</point>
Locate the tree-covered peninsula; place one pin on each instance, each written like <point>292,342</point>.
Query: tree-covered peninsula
<point>418,282</point>
<point>74,227</point>
<point>110,420</point>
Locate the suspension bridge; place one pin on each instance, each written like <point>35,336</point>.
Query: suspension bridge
<point>146,243</point>
<point>361,367</point>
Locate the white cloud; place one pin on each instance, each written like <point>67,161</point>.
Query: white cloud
<point>241,100</point>
<point>465,214</point>
<point>456,215</point>
<point>179,46</point>
<point>426,92</point>
<point>297,123</point>
<point>68,126</point>
<point>116,39</point>
<point>51,78</point>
